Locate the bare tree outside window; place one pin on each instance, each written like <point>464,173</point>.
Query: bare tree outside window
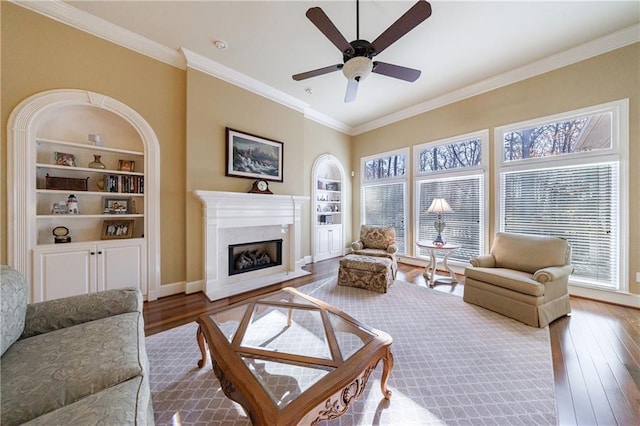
<point>451,156</point>
<point>384,167</point>
<point>562,137</point>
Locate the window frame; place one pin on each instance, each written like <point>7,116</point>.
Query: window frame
<point>454,174</point>
<point>385,181</point>
<point>618,152</point>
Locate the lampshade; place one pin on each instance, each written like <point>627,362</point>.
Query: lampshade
<point>439,205</point>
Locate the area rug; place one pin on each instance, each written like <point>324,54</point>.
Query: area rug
<point>454,364</point>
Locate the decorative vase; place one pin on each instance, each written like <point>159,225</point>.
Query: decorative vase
<point>96,163</point>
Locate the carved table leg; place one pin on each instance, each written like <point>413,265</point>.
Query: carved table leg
<point>200,338</point>
<point>386,372</point>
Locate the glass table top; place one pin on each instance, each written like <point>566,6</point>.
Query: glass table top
<point>289,342</point>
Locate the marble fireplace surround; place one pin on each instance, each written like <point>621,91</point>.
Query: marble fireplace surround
<point>235,218</point>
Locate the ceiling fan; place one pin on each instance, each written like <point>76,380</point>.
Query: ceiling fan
<point>357,55</point>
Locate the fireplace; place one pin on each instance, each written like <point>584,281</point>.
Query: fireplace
<point>236,218</point>
<point>247,257</point>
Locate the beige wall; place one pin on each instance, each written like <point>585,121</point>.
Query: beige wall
<point>40,54</point>
<point>212,105</point>
<point>608,77</point>
<point>188,110</point>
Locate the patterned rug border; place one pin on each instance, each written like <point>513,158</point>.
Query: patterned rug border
<point>502,374</point>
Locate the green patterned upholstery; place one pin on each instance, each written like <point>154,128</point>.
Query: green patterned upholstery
<point>79,360</point>
<point>13,298</point>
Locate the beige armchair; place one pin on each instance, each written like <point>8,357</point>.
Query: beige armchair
<point>379,241</point>
<point>525,277</point>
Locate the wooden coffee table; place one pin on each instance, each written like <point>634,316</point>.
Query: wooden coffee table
<point>288,358</point>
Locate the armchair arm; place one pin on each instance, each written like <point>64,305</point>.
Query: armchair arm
<point>484,261</point>
<point>552,273</point>
<point>392,248</point>
<point>51,315</point>
<point>357,245</point>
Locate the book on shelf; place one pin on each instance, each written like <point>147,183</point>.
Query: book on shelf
<point>124,184</point>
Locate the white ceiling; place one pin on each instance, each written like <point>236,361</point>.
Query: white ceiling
<point>461,44</point>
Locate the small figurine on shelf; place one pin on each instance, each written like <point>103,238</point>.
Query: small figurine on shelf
<point>72,205</point>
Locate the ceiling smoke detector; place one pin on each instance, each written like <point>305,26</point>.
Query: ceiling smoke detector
<point>220,44</point>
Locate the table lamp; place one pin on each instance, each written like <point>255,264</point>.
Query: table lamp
<point>439,206</point>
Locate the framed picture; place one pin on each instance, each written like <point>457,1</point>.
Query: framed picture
<point>333,186</point>
<point>117,229</point>
<point>64,159</point>
<point>117,205</point>
<point>126,166</point>
<point>253,157</point>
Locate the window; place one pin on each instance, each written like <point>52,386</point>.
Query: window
<point>384,192</point>
<point>454,169</point>
<point>562,176</point>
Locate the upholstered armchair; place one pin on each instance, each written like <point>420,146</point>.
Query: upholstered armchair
<point>525,277</point>
<point>379,241</point>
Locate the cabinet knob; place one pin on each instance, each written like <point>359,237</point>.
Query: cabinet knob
<point>100,252</point>
<point>92,253</point>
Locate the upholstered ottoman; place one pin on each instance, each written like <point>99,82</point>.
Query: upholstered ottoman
<point>368,272</point>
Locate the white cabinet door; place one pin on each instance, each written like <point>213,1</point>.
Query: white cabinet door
<point>63,271</point>
<point>336,247</point>
<point>122,266</point>
<point>328,242</point>
<point>323,243</point>
<point>71,269</point>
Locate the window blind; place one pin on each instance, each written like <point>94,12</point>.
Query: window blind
<point>578,203</point>
<point>463,225</point>
<point>384,204</point>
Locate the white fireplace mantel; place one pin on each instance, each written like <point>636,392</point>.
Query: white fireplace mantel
<point>235,217</point>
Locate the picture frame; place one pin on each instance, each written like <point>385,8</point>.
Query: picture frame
<point>117,205</point>
<point>126,166</point>
<point>332,186</point>
<point>117,229</point>
<point>253,157</point>
<point>64,159</point>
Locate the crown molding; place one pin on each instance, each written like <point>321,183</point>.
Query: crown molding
<point>215,69</point>
<point>576,54</point>
<point>328,121</point>
<point>69,15</point>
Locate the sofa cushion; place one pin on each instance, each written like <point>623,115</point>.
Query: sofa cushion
<point>519,281</point>
<point>117,405</point>
<point>13,298</point>
<point>43,373</point>
<point>528,252</point>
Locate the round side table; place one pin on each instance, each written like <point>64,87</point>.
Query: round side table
<point>430,271</point>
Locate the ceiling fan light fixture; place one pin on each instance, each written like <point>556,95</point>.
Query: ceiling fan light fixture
<point>357,68</point>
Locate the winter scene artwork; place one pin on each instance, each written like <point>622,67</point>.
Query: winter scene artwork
<point>253,157</point>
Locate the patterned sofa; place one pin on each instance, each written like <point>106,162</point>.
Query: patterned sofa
<point>71,361</point>
<point>378,241</point>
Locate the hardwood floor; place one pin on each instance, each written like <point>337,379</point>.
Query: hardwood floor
<point>596,351</point>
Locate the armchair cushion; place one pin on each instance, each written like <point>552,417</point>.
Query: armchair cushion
<point>377,237</point>
<point>528,252</point>
<point>13,298</point>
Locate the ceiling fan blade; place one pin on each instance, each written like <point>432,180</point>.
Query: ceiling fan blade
<point>326,27</point>
<point>352,90</point>
<point>396,71</point>
<point>315,73</point>
<point>411,18</point>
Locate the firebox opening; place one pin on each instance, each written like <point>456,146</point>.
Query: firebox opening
<point>249,257</point>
